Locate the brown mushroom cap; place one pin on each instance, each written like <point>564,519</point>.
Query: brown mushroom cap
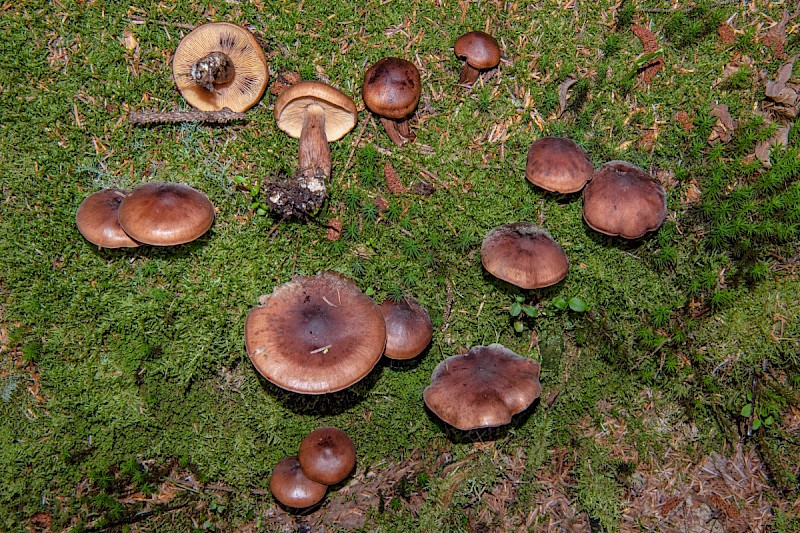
<point>479,49</point>
<point>291,486</point>
<point>165,214</point>
<point>392,88</point>
<point>624,200</point>
<point>482,388</point>
<point>408,328</point>
<point>524,255</point>
<point>97,219</point>
<point>327,455</point>
<point>290,109</point>
<point>249,64</point>
<point>315,334</point>
<point>558,164</point>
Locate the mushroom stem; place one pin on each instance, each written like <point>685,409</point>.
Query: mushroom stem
<point>399,131</point>
<point>469,75</point>
<point>314,151</point>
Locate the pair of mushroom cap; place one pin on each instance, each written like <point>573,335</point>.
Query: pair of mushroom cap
<point>326,457</point>
<point>482,388</point>
<point>156,213</point>
<point>481,52</point>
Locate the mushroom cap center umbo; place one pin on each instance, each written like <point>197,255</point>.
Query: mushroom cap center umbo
<point>392,88</point>
<point>327,455</point>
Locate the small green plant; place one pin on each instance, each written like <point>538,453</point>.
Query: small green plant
<point>760,414</point>
<point>252,188</point>
<point>518,310</point>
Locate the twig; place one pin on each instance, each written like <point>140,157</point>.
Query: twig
<point>168,117</point>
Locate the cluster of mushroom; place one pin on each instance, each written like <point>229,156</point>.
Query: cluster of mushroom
<point>156,213</point>
<point>326,457</point>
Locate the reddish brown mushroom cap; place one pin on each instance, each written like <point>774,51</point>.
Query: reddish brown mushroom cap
<point>327,455</point>
<point>315,334</point>
<point>479,49</point>
<point>165,214</point>
<point>624,200</point>
<point>558,164</point>
<point>524,255</point>
<point>291,486</point>
<point>408,328</point>
<point>392,88</point>
<point>97,219</point>
<point>482,388</point>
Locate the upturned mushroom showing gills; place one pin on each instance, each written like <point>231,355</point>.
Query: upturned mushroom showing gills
<point>219,65</point>
<point>408,328</point>
<point>327,455</point>
<point>480,51</point>
<point>482,388</point>
<point>392,90</point>
<point>558,164</point>
<point>525,255</point>
<point>315,334</point>
<point>97,219</point>
<point>290,486</point>
<point>624,200</point>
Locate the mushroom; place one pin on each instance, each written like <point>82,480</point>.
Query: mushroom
<point>482,388</point>
<point>525,255</point>
<point>558,164</point>
<point>408,328</point>
<point>291,486</point>
<point>219,65</point>
<point>624,200</point>
<point>391,90</point>
<point>165,214</point>
<point>327,455</point>
<point>481,52</point>
<point>97,219</point>
<point>315,334</point>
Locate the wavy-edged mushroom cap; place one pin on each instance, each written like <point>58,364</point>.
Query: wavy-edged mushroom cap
<point>558,164</point>
<point>408,328</point>
<point>482,388</point>
<point>624,200</point>
<point>392,88</point>
<point>97,219</point>
<point>479,49</point>
<point>525,255</point>
<point>220,65</point>
<point>327,455</point>
<point>291,486</point>
<point>165,214</point>
<point>315,334</point>
<point>340,111</point>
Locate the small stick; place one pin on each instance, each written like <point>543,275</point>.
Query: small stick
<point>167,117</point>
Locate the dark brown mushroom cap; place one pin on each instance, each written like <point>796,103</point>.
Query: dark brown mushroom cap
<point>392,88</point>
<point>97,219</point>
<point>291,486</point>
<point>408,328</point>
<point>315,334</point>
<point>165,214</point>
<point>624,200</point>
<point>479,49</point>
<point>482,388</point>
<point>249,64</point>
<point>524,255</point>
<point>558,164</point>
<point>327,455</point>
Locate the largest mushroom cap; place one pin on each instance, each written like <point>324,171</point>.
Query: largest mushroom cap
<point>558,164</point>
<point>482,388</point>
<point>524,255</point>
<point>392,88</point>
<point>624,200</point>
<point>315,334</point>
<point>97,219</point>
<point>250,73</point>
<point>291,106</point>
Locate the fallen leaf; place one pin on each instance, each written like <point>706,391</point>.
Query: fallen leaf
<point>563,90</point>
<point>764,148</point>
<point>725,126</point>
<point>129,40</point>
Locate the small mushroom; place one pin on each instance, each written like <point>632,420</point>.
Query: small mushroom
<point>558,164</point>
<point>408,328</point>
<point>481,52</point>
<point>219,65</point>
<point>327,455</point>
<point>97,219</point>
<point>624,200</point>
<point>165,214</point>
<point>315,334</point>
<point>291,486</point>
<point>391,90</point>
<point>482,388</point>
<point>525,255</point>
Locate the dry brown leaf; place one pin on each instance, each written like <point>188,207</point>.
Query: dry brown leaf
<point>775,37</point>
<point>334,231</point>
<point>725,126</point>
<point>129,40</point>
<point>764,148</point>
<point>563,91</point>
